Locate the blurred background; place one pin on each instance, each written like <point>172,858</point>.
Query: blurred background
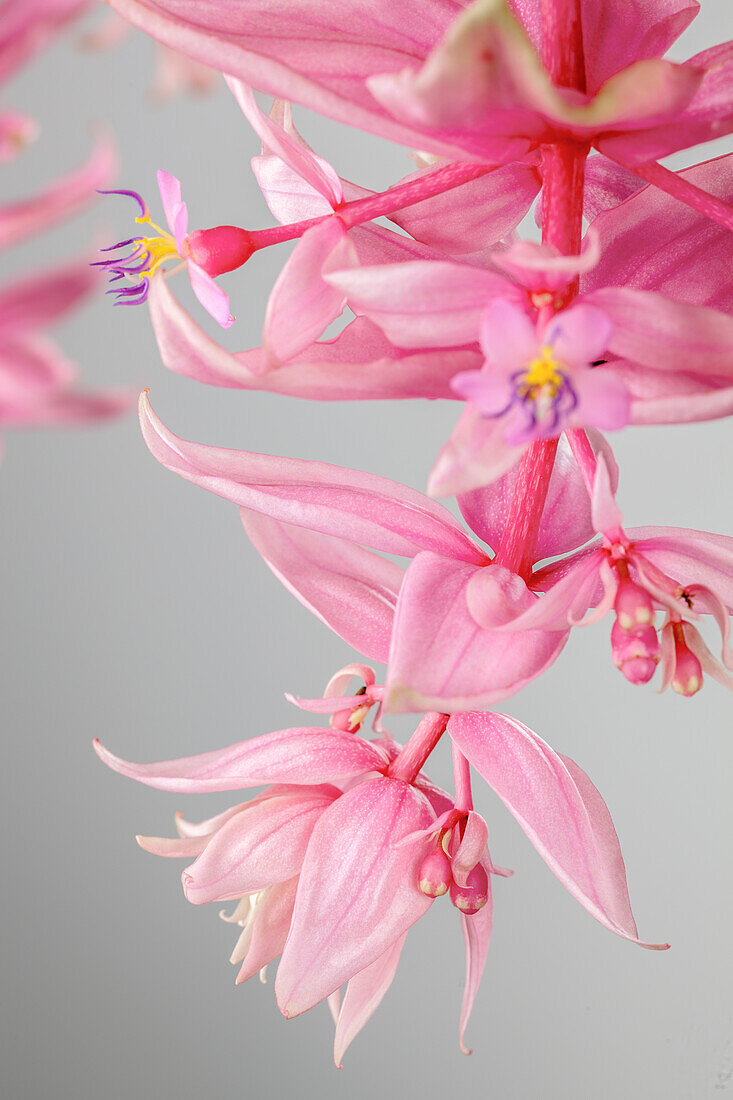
<point>135,610</point>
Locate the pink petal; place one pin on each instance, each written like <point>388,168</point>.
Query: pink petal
<point>359,363</point>
<point>59,199</point>
<point>495,596</point>
<point>176,848</point>
<point>475,455</point>
<point>369,509</point>
<point>566,516</point>
<point>350,589</point>
<point>270,926</point>
<point>607,517</point>
<point>170,197</point>
<point>214,300</point>
<point>579,335</point>
<point>603,399</point>
<point>420,304</point>
<point>297,755</point>
<point>441,659</point>
<point>301,304</point>
<point>364,994</point>
<point>286,145</point>
<point>358,891</point>
<point>559,809</point>
<point>541,267</point>
<point>470,849</point>
<point>35,301</point>
<point>263,844</point>
<point>606,185</point>
<point>489,389</point>
<point>209,826</point>
<point>476,934</point>
<point>508,336</point>
<point>645,31</point>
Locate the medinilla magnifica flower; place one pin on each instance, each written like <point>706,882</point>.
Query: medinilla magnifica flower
<point>350,844</point>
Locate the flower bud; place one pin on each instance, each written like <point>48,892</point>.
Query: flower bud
<point>633,606</point>
<point>687,678</point>
<point>474,895</point>
<point>217,250</point>
<point>435,877</point>
<point>350,719</point>
<point>635,655</point>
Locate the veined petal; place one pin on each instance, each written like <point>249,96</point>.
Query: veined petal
<point>170,197</point>
<point>214,300</point>
<point>358,891</point>
<point>350,589</point>
<point>476,934</point>
<point>269,928</point>
<point>295,755</point>
<point>559,809</point>
<point>364,507</point>
<point>475,455</point>
<point>442,659</point>
<point>471,847</point>
<point>364,994</point>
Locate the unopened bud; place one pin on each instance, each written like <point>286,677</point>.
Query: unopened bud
<point>687,678</point>
<point>350,719</point>
<point>633,606</point>
<point>635,655</point>
<point>217,250</point>
<point>474,895</point>
<point>435,877</point>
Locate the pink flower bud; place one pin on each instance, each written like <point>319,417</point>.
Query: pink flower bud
<point>633,606</point>
<point>350,719</point>
<point>637,654</point>
<point>217,250</point>
<point>687,678</point>
<point>435,877</point>
<point>474,895</point>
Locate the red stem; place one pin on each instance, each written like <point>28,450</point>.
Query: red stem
<point>418,748</point>
<point>516,550</point>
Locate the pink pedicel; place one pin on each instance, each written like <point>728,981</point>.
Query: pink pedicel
<point>472,897</point>
<point>219,250</point>
<point>434,876</point>
<point>636,654</point>
<point>687,676</point>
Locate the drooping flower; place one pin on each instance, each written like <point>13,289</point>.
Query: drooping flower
<point>635,574</point>
<point>434,624</point>
<point>150,254</point>
<point>350,844</point>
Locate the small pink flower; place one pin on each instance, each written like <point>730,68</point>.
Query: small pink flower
<point>149,254</point>
<point>540,379</point>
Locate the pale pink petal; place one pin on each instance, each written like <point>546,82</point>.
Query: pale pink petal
<point>441,659</point>
<point>59,199</point>
<point>603,399</point>
<point>606,185</point>
<point>420,304</point>
<point>34,301</point>
<point>541,267</point>
<point>170,197</point>
<point>495,596</point>
<point>508,336</point>
<point>210,825</point>
<point>368,509</point>
<point>475,455</point>
<point>211,296</point>
<point>359,363</point>
<point>263,844</point>
<point>269,928</point>
<point>610,42</point>
<point>606,514</point>
<point>573,589</point>
<point>710,664</point>
<point>176,848</point>
<point>476,934</point>
<point>364,994</point>
<point>301,304</point>
<point>358,891</point>
<point>566,516</point>
<point>489,389</point>
<point>297,755</point>
<point>341,679</point>
<point>559,809</point>
<point>579,335</point>
<point>351,590</point>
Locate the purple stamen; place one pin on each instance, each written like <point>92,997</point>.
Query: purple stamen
<point>131,195</point>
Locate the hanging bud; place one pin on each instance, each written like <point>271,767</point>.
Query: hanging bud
<point>687,677</point>
<point>633,606</point>
<point>474,895</point>
<point>435,874</point>
<point>635,655</point>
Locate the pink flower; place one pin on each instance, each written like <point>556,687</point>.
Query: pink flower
<point>434,624</point>
<point>16,132</point>
<point>350,844</point>
<point>27,26</point>
<point>635,573</point>
<point>149,254</point>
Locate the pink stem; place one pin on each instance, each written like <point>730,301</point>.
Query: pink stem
<point>418,748</point>
<point>562,43</point>
<point>375,206</point>
<point>516,550</point>
<point>680,188</point>
<point>584,455</point>
<point>462,780</point>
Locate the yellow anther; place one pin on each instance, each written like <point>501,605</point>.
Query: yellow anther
<point>160,248</point>
<point>543,375</point>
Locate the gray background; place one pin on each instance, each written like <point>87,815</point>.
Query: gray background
<point>135,609</point>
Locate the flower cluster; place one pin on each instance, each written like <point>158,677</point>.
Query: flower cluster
<point>568,104</point>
